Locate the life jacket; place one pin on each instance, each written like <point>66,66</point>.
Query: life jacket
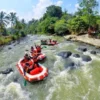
<point>29,66</point>
<point>31,62</point>
<point>38,49</point>
<point>37,70</point>
<point>34,53</point>
<point>50,40</point>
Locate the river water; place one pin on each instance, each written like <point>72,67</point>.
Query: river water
<point>80,83</point>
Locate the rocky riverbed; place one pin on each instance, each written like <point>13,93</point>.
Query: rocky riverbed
<point>84,38</point>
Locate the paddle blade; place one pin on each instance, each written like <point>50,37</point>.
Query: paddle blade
<point>25,82</point>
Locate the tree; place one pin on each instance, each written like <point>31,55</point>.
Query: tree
<point>13,18</point>
<point>54,11</point>
<point>88,8</point>
<point>32,26</point>
<point>47,25</point>
<point>3,18</point>
<point>3,22</point>
<point>23,23</point>
<point>77,25</point>
<point>61,27</point>
<point>66,16</point>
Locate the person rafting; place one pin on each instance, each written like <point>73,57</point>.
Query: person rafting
<point>38,48</point>
<point>55,41</point>
<point>32,66</point>
<point>32,49</point>
<point>50,40</point>
<point>27,57</point>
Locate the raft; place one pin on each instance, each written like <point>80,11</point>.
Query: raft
<point>49,44</point>
<point>52,43</point>
<point>38,73</point>
<point>40,57</point>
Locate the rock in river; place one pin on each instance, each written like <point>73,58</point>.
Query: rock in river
<point>70,65</point>
<point>76,55</point>
<point>83,49</point>
<point>65,54</point>
<point>93,52</point>
<point>86,58</point>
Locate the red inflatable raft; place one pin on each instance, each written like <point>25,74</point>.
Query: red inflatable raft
<point>52,43</point>
<point>41,56</point>
<point>39,73</point>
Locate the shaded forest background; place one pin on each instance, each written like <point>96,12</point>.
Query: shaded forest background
<point>54,22</point>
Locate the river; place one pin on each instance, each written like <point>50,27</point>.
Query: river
<point>78,83</point>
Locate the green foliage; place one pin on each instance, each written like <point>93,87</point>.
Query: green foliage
<point>47,25</point>
<point>66,16</point>
<point>54,21</point>
<point>88,9</point>
<point>77,25</point>
<point>54,11</point>
<point>61,27</point>
<point>12,18</point>
<point>22,34</point>
<point>32,27</point>
<point>5,40</point>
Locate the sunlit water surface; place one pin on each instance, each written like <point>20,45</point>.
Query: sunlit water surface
<point>80,83</point>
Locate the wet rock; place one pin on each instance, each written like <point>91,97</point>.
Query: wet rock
<point>7,71</point>
<point>65,54</point>
<point>9,48</point>
<point>86,58</point>
<point>76,55</point>
<point>83,49</point>
<point>14,45</point>
<point>9,43</point>
<point>93,52</point>
<point>15,79</point>
<point>70,65</point>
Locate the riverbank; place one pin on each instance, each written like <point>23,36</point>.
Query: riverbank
<point>85,39</point>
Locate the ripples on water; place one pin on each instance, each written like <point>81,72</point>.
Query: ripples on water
<point>80,83</point>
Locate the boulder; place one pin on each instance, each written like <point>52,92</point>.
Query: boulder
<point>9,48</point>
<point>76,55</point>
<point>86,58</point>
<point>70,65</point>
<point>83,49</point>
<point>65,54</point>
<point>93,52</point>
<point>7,71</point>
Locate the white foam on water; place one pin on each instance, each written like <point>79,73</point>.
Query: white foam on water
<point>1,76</point>
<point>78,61</point>
<point>87,72</point>
<point>94,57</point>
<point>10,90</point>
<point>62,45</point>
<point>99,89</point>
<point>13,91</point>
<point>58,63</point>
<point>6,78</point>
<point>85,97</point>
<point>51,90</point>
<point>63,78</point>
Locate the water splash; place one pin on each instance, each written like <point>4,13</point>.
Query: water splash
<point>13,91</point>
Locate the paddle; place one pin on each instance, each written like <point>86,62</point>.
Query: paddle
<point>25,82</point>
<point>44,47</point>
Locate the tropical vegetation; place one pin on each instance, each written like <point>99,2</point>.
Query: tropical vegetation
<point>54,22</point>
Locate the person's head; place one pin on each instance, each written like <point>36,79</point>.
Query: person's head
<point>27,64</point>
<point>32,48</point>
<point>27,56</point>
